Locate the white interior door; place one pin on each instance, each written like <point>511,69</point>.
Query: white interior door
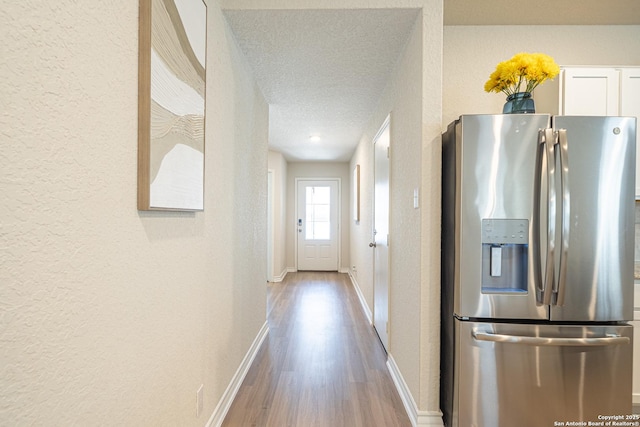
<point>317,225</point>
<point>381,235</point>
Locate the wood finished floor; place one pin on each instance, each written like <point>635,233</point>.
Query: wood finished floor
<point>321,365</point>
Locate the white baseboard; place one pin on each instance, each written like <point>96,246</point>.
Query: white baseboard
<point>232,389</point>
<point>363,302</point>
<point>636,399</point>
<point>281,276</point>
<point>344,270</point>
<point>418,418</point>
<point>292,270</point>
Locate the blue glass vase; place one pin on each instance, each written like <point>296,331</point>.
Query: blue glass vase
<point>519,103</point>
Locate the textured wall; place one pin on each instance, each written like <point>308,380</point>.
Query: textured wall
<point>413,98</point>
<point>109,315</point>
<point>471,53</point>
<point>432,76</point>
<point>405,281</point>
<point>361,235</point>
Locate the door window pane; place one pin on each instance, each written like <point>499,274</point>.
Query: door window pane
<point>318,207</point>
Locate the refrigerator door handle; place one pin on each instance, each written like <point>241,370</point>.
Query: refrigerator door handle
<point>551,342</point>
<point>535,241</point>
<point>549,276</point>
<point>566,214</point>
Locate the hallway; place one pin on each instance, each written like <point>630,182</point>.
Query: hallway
<point>322,363</point>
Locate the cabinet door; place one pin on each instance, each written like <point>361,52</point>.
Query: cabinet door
<point>591,92</point>
<point>630,106</point>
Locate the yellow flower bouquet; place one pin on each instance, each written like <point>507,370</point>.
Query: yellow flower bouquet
<point>518,77</point>
<point>526,70</point>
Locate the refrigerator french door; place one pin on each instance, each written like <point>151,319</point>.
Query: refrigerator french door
<point>537,375</point>
<point>537,273</point>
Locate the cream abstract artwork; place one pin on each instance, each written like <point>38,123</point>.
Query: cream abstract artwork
<point>171,105</point>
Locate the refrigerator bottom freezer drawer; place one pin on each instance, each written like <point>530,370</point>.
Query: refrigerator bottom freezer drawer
<point>540,375</point>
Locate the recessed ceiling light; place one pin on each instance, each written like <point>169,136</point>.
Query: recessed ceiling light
<point>314,138</point>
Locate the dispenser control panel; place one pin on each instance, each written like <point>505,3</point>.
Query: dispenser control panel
<point>505,231</point>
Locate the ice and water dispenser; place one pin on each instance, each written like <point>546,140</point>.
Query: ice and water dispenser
<point>505,246</point>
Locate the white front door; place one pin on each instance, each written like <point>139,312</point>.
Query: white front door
<point>317,225</point>
<point>381,235</point>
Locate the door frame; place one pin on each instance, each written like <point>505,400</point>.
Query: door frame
<point>296,216</point>
<point>270,226</point>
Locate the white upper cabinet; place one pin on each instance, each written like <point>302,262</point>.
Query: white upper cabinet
<point>630,106</point>
<point>591,92</point>
<point>580,91</point>
<point>630,92</point>
<point>594,91</point>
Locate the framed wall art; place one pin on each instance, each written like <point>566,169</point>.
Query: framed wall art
<point>171,104</point>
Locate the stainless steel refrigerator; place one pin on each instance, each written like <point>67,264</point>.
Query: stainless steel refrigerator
<point>537,269</point>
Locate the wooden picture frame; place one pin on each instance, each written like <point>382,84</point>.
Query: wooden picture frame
<point>356,193</point>
<point>171,104</point>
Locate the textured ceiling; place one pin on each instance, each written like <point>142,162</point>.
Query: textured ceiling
<point>321,71</point>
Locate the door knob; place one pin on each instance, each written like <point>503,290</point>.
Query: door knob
<point>372,245</point>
